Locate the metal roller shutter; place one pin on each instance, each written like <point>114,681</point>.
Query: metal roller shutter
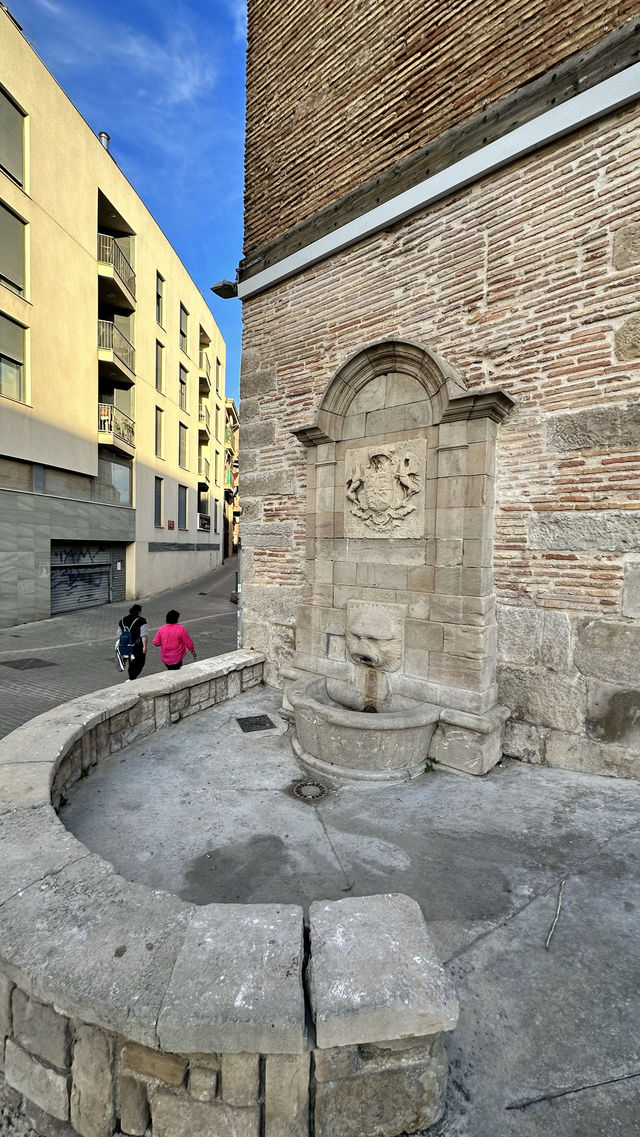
<point>80,576</point>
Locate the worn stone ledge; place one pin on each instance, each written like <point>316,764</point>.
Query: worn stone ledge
<point>121,1005</point>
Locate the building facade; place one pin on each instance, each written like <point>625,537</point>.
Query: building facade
<point>232,507</point>
<point>112,370</point>
<point>423,201</point>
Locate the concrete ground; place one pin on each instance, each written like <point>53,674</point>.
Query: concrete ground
<point>548,1039</point>
<point>47,662</point>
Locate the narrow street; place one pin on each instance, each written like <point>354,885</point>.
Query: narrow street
<point>50,661</point>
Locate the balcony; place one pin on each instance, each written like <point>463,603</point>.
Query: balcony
<point>204,522</point>
<point>114,267</point>
<point>229,438</point>
<point>204,367</point>
<point>204,420</point>
<point>116,429</point>
<point>204,470</point>
<point>114,348</point>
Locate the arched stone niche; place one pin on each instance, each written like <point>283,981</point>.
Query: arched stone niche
<point>400,504</point>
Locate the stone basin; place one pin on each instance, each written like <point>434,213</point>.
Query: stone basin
<point>392,745</point>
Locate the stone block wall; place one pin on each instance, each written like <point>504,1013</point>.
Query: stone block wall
<point>527,281</point>
<point>126,1010</point>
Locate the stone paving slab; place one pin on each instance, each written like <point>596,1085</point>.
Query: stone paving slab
<point>121,962</point>
<point>374,972</point>
<point>256,1003</point>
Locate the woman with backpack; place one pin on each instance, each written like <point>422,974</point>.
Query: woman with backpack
<point>133,632</point>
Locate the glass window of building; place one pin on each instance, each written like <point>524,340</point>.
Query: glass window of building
<point>218,370</point>
<point>159,366</point>
<point>12,231</point>
<point>11,139</point>
<point>157,503</point>
<point>114,481</point>
<point>184,329</point>
<point>182,507</point>
<point>12,384</point>
<point>159,300</point>
<point>182,446</point>
<point>159,433</point>
<point>182,388</point>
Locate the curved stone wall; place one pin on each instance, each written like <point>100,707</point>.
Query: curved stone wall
<point>127,1010</point>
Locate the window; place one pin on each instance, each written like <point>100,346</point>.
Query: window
<point>182,390</point>
<point>218,368</point>
<point>11,359</point>
<point>159,300</point>
<point>159,433</point>
<point>11,139</point>
<point>182,507</point>
<point>114,481</point>
<point>184,328</point>
<point>182,446</point>
<point>157,503</point>
<point>159,366</point>
<point>217,468</point>
<point>217,422</point>
<point>11,250</point>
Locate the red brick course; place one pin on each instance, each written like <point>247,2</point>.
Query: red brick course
<point>512,281</point>
<point>338,92</point>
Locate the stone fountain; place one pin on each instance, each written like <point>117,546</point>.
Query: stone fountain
<point>394,661</point>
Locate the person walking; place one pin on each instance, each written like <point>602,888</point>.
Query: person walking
<point>174,641</point>
<point>136,624</point>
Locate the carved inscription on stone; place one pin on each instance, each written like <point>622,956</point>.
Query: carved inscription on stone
<point>385,490</point>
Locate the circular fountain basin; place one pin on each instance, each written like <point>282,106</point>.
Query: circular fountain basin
<point>389,746</point>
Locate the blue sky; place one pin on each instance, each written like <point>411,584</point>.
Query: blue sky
<point>165,78</point>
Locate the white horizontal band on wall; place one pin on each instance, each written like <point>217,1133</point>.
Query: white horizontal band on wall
<point>571,115</point>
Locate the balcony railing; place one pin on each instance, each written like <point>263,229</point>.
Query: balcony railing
<point>116,422</point>
<point>112,339</point>
<point>205,364</point>
<point>110,253</point>
<point>204,522</point>
<point>204,467</point>
<point>204,418</point>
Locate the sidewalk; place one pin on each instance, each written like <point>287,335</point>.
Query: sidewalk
<point>47,662</point>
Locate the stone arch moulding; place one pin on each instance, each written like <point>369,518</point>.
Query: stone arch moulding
<point>444,387</point>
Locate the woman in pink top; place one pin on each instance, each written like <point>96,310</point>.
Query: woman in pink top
<point>173,641</point>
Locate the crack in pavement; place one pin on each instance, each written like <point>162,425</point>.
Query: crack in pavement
<point>552,1095</point>
<point>568,872</point>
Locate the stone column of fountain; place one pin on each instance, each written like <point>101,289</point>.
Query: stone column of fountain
<point>395,643</point>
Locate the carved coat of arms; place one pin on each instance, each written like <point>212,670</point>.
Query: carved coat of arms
<point>381,489</point>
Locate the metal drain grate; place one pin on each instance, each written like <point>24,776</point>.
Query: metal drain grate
<point>25,664</point>
<point>309,791</point>
<point>256,722</point>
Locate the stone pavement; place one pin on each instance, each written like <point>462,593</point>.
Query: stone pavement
<point>74,654</point>
<point>547,1042</point>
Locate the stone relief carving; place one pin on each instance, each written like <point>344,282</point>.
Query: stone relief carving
<point>384,487</point>
<point>375,634</point>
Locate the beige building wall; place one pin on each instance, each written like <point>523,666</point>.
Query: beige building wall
<point>66,168</point>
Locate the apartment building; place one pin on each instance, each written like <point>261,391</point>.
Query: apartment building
<point>232,507</point>
<point>112,401</point>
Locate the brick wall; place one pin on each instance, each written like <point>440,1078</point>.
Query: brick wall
<point>527,281</point>
<point>336,94</point>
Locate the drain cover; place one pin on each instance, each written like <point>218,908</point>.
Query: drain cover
<point>25,664</point>
<point>256,722</point>
<point>309,791</point>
